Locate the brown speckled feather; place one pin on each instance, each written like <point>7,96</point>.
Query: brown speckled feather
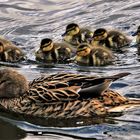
<point>59,96</point>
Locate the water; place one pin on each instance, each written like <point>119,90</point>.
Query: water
<point>27,22</point>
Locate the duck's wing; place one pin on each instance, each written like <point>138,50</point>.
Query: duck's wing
<point>67,87</point>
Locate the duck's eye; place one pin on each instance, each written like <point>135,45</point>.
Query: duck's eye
<point>86,50</point>
<point>102,33</point>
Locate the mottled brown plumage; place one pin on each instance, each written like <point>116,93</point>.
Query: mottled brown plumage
<point>63,95</point>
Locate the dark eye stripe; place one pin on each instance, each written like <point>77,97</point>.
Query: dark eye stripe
<point>70,29</point>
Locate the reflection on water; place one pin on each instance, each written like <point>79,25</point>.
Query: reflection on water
<point>9,131</point>
<point>27,22</point>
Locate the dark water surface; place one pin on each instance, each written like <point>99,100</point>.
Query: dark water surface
<point>27,22</point>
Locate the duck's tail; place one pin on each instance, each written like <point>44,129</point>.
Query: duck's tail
<point>131,104</point>
<point>94,87</point>
<point>117,76</point>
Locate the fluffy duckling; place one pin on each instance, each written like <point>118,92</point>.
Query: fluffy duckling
<point>62,95</point>
<point>9,52</point>
<point>53,52</point>
<point>112,39</point>
<point>137,34</point>
<point>93,56</point>
<point>76,35</point>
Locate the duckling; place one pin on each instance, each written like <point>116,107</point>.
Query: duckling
<point>76,35</point>
<point>61,95</point>
<point>9,52</point>
<point>93,56</point>
<point>53,52</point>
<point>112,39</point>
<point>137,34</point>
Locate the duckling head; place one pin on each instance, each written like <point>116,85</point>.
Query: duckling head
<point>12,84</point>
<point>1,48</point>
<point>137,33</point>
<point>46,45</point>
<point>100,34</point>
<point>83,49</point>
<point>71,30</point>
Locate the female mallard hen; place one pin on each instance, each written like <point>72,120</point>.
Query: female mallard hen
<point>62,95</point>
<point>76,35</point>
<point>53,52</point>
<point>9,52</point>
<point>112,39</point>
<point>93,55</point>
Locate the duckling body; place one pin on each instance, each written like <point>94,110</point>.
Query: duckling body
<point>75,35</point>
<point>93,56</point>
<point>9,52</point>
<point>53,52</point>
<point>112,39</point>
<point>62,95</point>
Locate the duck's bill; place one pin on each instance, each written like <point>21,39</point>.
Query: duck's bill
<point>64,34</point>
<point>135,33</point>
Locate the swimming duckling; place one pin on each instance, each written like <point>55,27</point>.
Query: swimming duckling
<point>112,39</point>
<point>137,34</point>
<point>76,35</point>
<point>9,52</point>
<point>62,95</point>
<point>53,52</point>
<point>93,56</point>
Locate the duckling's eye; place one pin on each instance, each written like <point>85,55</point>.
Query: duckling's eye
<point>102,33</point>
<point>45,45</point>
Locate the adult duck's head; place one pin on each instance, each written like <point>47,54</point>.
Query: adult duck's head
<point>12,84</point>
<point>46,45</point>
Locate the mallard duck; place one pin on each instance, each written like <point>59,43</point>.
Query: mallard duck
<point>137,34</point>
<point>9,52</point>
<point>88,55</point>
<point>76,35</point>
<point>112,39</point>
<point>53,52</point>
<point>61,95</point>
